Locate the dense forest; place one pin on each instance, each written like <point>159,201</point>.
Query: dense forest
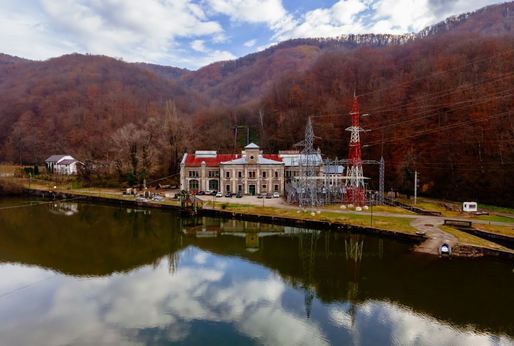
<point>440,102</point>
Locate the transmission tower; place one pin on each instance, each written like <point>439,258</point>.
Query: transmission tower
<point>309,164</point>
<point>354,188</point>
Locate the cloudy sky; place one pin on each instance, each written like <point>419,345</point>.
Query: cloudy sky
<point>193,33</point>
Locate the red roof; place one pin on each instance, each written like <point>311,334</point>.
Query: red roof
<point>193,161</point>
<point>275,157</point>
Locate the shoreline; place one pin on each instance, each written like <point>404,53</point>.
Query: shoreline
<point>461,250</point>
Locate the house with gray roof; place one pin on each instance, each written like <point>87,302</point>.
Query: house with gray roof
<point>62,164</point>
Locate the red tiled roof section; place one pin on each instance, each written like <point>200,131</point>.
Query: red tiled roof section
<point>272,157</point>
<point>193,161</point>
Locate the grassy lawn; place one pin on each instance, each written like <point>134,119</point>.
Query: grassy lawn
<point>430,205</point>
<point>495,218</point>
<point>378,208</point>
<point>396,224</point>
<point>495,208</point>
<point>503,230</point>
<point>469,239</point>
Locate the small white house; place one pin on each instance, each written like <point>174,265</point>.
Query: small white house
<point>469,206</point>
<point>62,164</point>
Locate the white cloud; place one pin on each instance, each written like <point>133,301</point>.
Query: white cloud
<point>134,30</point>
<point>199,46</point>
<point>341,18</point>
<point>250,43</point>
<point>67,310</point>
<point>250,11</point>
<point>189,33</point>
<point>411,328</point>
<point>368,16</point>
<point>106,310</point>
<point>401,16</point>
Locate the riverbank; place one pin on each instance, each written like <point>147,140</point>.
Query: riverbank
<point>394,224</point>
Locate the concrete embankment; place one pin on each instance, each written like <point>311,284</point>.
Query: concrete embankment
<point>421,242</point>
<point>277,220</point>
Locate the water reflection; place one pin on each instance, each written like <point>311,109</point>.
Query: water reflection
<point>139,278</point>
<point>64,208</point>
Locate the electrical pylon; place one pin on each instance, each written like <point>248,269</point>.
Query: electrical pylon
<point>354,187</point>
<point>308,191</point>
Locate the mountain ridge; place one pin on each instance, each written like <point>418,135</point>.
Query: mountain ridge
<point>80,104</point>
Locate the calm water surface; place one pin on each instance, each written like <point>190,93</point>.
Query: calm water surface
<point>82,274</point>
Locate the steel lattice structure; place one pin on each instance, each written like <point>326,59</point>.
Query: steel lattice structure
<point>308,183</point>
<point>355,190</point>
<point>323,182</point>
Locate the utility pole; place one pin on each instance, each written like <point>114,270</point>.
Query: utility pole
<point>415,186</point>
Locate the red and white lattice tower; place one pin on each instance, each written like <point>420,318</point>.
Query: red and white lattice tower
<point>354,192</point>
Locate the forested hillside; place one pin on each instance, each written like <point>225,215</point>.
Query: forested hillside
<point>440,102</point>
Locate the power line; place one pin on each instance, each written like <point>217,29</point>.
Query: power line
<point>440,72</point>
<point>430,114</point>
<point>394,108</point>
<point>439,129</point>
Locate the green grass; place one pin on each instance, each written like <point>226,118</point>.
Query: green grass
<point>395,224</point>
<point>502,230</point>
<point>495,218</point>
<point>495,208</point>
<point>378,209</point>
<point>469,239</point>
<point>430,205</point>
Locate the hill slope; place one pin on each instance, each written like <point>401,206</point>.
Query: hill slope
<point>441,102</point>
<point>75,102</point>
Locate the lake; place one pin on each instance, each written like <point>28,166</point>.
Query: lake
<point>74,273</point>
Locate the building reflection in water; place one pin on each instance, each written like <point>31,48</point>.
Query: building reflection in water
<point>64,208</point>
<point>274,284</point>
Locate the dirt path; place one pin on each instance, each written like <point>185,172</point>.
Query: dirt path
<point>435,236</point>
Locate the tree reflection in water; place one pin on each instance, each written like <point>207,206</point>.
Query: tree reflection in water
<point>245,274</point>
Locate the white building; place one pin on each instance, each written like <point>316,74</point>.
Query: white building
<point>249,173</point>
<point>62,164</point>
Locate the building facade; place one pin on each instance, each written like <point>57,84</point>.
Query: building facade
<point>249,173</point>
<point>252,172</point>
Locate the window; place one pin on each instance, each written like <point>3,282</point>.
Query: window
<point>240,188</point>
<point>276,188</point>
<point>214,174</point>
<point>264,187</point>
<point>213,185</point>
<point>239,174</point>
<point>193,185</point>
<point>264,174</point>
<point>228,188</point>
<point>276,174</point>
<point>193,174</point>
<point>251,174</point>
<point>227,174</point>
